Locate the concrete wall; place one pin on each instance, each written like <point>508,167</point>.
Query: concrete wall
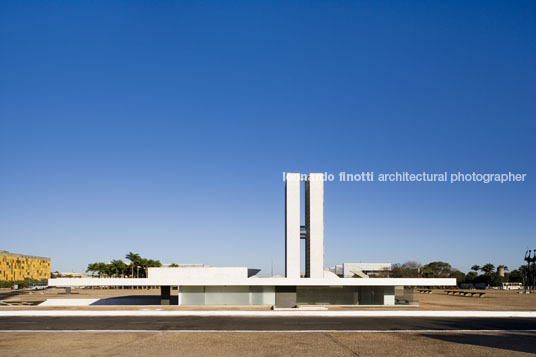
<point>388,295</point>
<point>202,273</point>
<point>78,282</point>
<point>292,226</point>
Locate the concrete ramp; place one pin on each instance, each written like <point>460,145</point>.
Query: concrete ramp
<point>359,273</point>
<point>68,302</point>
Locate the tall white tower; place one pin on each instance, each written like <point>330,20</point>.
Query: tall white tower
<point>314,226</point>
<point>313,230</point>
<point>292,226</point>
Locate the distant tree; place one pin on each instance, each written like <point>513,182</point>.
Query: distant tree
<point>518,275</point>
<point>436,270</point>
<point>135,261</point>
<point>173,265</point>
<point>118,268</point>
<point>106,269</point>
<point>475,267</point>
<point>488,269</point>
<point>91,267</point>
<point>410,269</point>
<point>471,277</point>
<point>490,276</point>
<point>460,276</point>
<point>496,280</point>
<point>99,268</point>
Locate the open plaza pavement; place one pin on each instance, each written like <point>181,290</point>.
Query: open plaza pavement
<point>263,336</point>
<point>164,343</point>
<point>133,299</point>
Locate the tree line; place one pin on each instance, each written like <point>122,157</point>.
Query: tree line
<point>137,268</point>
<point>487,273</point>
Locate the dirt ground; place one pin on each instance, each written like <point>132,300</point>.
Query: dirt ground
<point>494,300</point>
<point>271,343</point>
<point>501,300</point>
<point>268,344</point>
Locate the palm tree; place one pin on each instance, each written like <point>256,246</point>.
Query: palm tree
<point>92,267</point>
<point>117,267</point>
<point>488,268</point>
<point>475,267</point>
<point>135,260</point>
<point>99,268</point>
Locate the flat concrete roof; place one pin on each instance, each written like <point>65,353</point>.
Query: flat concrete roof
<point>335,282</point>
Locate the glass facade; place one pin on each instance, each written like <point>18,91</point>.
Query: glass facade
<point>404,295</point>
<point>226,295</point>
<point>325,295</point>
<point>304,295</point>
<point>347,295</point>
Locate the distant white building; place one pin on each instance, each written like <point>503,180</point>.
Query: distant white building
<point>361,270</point>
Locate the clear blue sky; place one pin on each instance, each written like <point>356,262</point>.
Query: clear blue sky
<point>163,128</point>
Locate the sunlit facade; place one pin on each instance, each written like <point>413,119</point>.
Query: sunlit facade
<point>21,267</point>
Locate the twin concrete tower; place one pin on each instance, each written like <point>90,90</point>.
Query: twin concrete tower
<point>312,231</point>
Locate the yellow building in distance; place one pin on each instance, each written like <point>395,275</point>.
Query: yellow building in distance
<point>21,267</point>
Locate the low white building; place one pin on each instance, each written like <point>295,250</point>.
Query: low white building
<point>204,285</point>
<point>361,270</point>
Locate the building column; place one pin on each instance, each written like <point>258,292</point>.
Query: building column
<point>389,295</point>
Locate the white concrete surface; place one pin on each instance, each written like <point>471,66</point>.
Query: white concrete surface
<point>378,313</point>
<point>211,281</point>
<point>68,302</point>
<point>202,272</point>
<point>292,226</point>
<point>389,295</point>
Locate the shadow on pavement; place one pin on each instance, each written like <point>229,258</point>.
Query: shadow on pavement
<point>133,300</point>
<point>519,342</point>
<point>11,293</point>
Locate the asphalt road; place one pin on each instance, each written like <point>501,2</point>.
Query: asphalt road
<point>264,323</point>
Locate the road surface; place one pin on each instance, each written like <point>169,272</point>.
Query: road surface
<point>229,323</point>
